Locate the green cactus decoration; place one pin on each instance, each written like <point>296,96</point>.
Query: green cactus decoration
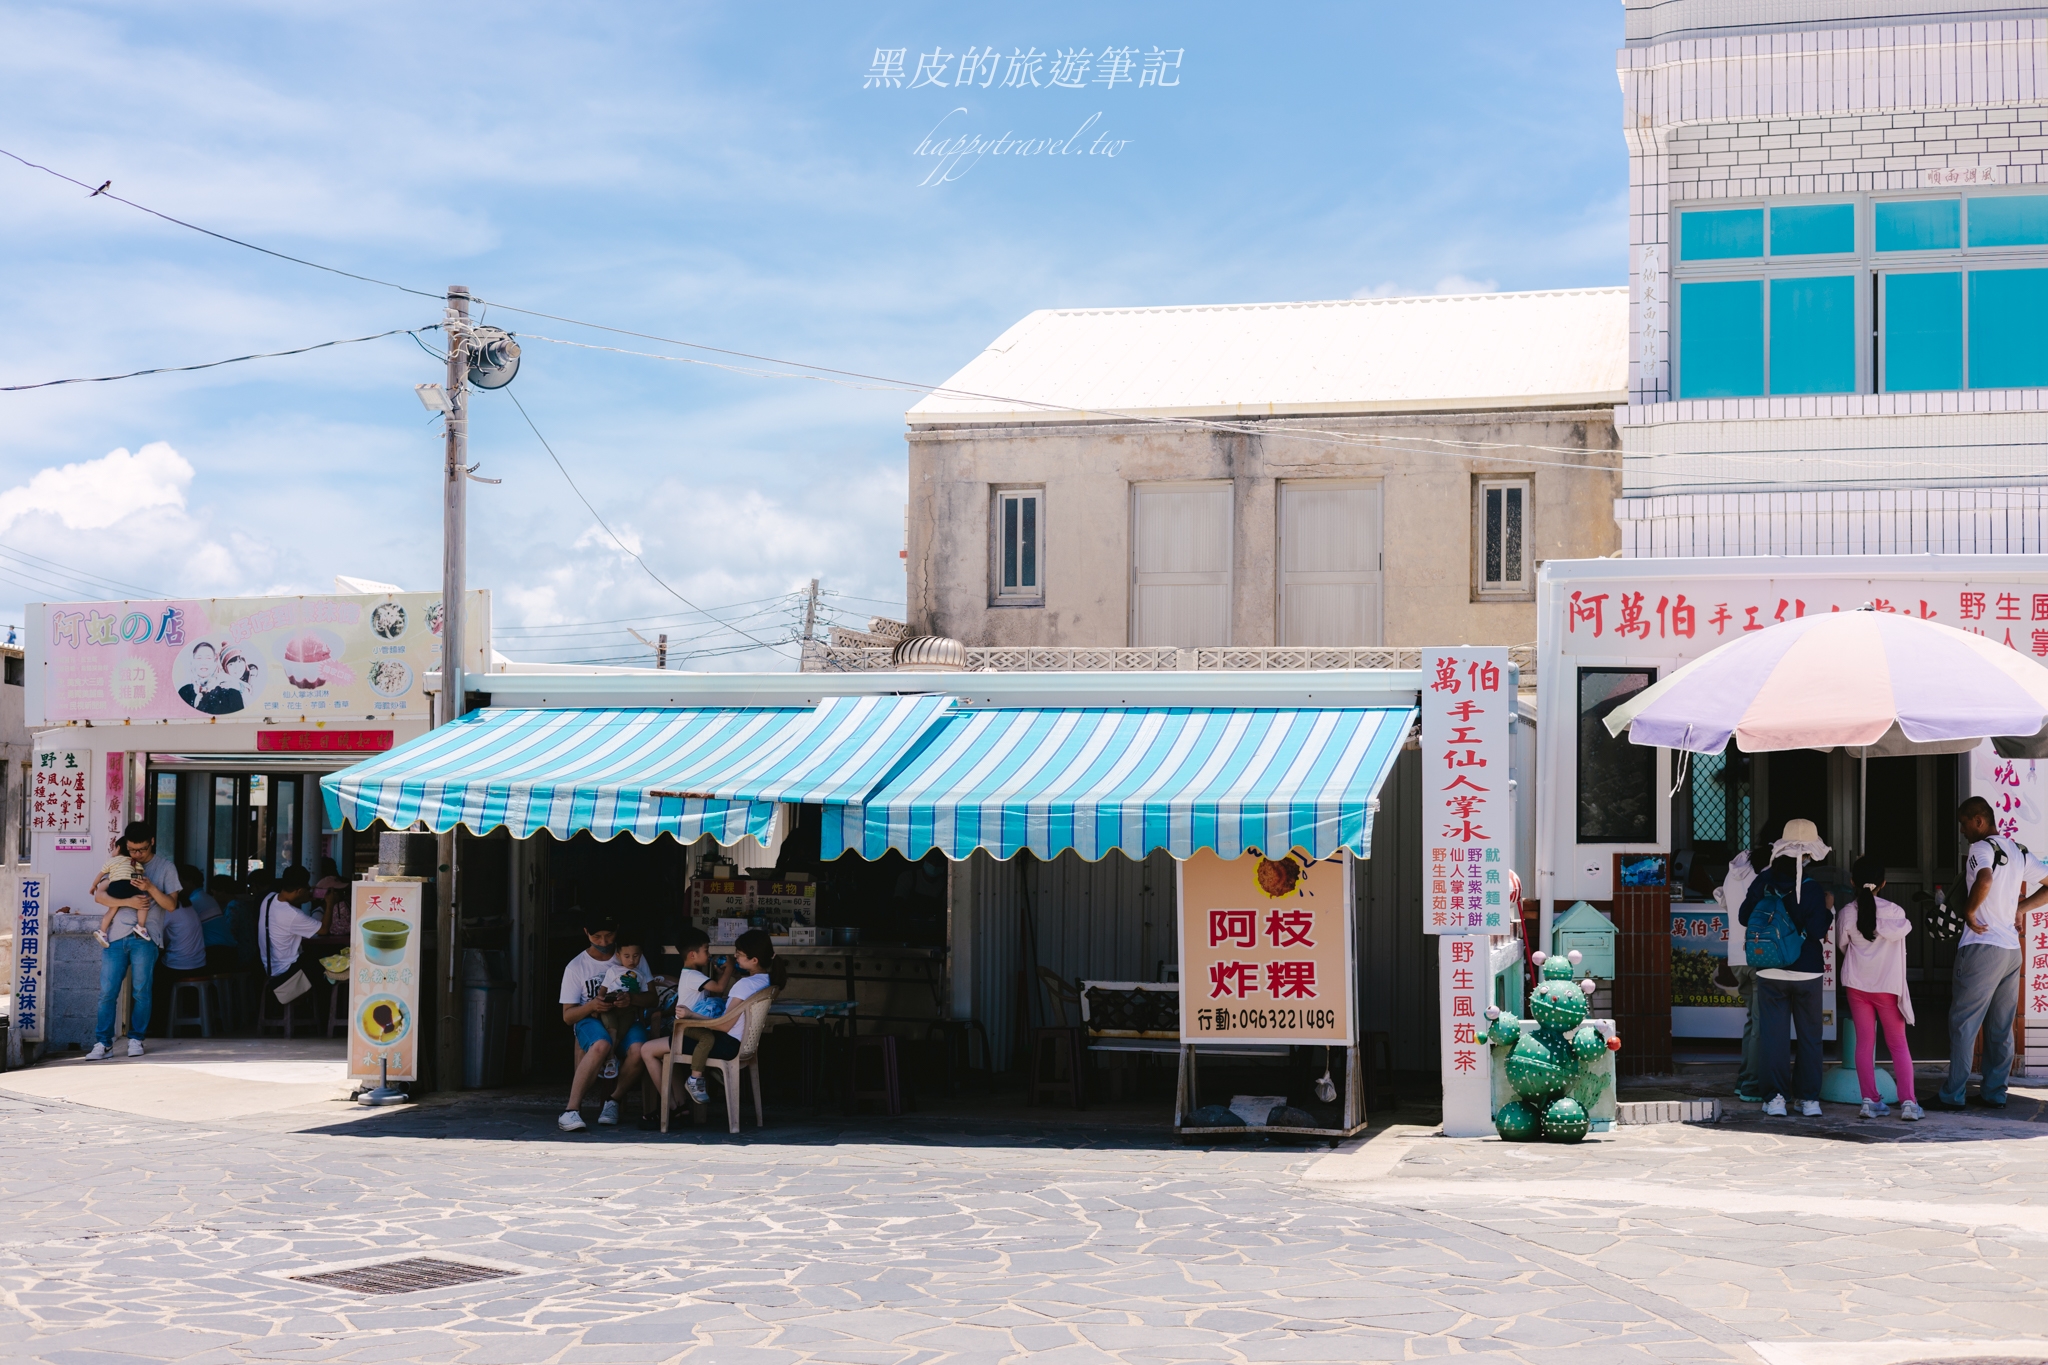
<point>1547,1068</point>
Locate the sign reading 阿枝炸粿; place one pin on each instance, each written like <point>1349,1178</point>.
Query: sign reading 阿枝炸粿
<point>339,658</point>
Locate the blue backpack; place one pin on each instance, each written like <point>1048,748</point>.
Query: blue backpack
<point>1772,938</point>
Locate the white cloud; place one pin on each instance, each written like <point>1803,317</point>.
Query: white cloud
<point>95,494</point>
<point>1453,283</point>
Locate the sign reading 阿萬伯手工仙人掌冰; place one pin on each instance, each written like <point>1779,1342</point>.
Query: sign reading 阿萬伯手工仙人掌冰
<point>958,141</point>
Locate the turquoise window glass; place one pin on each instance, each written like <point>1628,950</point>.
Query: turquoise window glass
<point>1923,332</point>
<point>1721,339</point>
<point>1813,335</point>
<point>1918,224</point>
<point>1720,234</point>
<point>1813,230</point>
<point>2008,329</point>
<point>2009,220</point>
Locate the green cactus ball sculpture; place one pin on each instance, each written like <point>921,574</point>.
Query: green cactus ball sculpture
<point>1548,1066</point>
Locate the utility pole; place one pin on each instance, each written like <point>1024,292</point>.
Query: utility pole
<point>811,612</point>
<point>454,508</point>
<point>661,651</point>
<point>448,707</point>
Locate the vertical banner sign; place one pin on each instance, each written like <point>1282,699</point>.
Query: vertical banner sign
<point>29,949</point>
<point>59,794</point>
<point>116,792</point>
<point>1466,812</point>
<point>384,979</point>
<point>1464,985</point>
<point>2017,789</point>
<point>1265,949</point>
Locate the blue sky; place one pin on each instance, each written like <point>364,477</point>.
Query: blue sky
<point>714,173</point>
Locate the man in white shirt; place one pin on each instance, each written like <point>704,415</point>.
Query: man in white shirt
<point>283,925</point>
<point>584,1005</point>
<point>132,952</point>
<point>1988,958</point>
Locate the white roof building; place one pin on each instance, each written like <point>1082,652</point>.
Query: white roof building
<point>1469,352</point>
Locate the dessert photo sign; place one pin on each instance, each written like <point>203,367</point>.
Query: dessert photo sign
<point>338,658</point>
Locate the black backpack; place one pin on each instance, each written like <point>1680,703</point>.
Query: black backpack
<point>1945,918</point>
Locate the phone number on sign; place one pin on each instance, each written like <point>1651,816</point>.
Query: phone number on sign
<point>1263,1021</point>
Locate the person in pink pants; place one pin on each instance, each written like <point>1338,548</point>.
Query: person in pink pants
<point>1873,957</point>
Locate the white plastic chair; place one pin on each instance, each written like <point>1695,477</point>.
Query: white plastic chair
<point>755,1011</point>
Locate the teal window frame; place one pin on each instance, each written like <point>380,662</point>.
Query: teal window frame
<point>1815,314</point>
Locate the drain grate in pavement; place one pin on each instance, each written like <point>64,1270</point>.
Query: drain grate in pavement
<point>404,1277</point>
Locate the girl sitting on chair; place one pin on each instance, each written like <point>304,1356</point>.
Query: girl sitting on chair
<point>759,970</point>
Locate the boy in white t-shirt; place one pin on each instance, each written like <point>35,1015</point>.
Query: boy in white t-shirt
<point>691,1002</point>
<point>584,1007</point>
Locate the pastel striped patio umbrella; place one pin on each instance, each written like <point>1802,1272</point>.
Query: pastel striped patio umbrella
<point>1867,680</point>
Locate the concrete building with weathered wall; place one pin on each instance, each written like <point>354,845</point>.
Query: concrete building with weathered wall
<point>1352,473</point>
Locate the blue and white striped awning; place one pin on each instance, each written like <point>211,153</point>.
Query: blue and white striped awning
<point>1132,778</point>
<point>645,772</point>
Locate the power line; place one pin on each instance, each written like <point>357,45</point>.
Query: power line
<point>211,364</point>
<point>1441,446</point>
<point>651,621</point>
<point>80,574</point>
<point>614,534</point>
<point>101,193</point>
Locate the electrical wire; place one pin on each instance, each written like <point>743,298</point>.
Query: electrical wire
<point>101,193</point>
<point>648,622</point>
<point>1439,445</point>
<point>614,534</point>
<point>80,574</point>
<point>212,364</point>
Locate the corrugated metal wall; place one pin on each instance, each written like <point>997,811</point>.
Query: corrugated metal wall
<point>1110,920</point>
<point>1396,960</point>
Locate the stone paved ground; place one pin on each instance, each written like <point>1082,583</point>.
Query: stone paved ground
<point>142,1239</point>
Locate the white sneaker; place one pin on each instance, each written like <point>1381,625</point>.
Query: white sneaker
<point>1875,1109</point>
<point>695,1085</point>
<point>609,1115</point>
<point>134,1047</point>
<point>611,1069</point>
<point>98,1053</point>
<point>1775,1106</point>
<point>570,1122</point>
<point>1910,1112</point>
<point>1809,1109</point>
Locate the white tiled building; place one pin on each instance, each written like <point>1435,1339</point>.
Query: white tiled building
<point>1838,277</point>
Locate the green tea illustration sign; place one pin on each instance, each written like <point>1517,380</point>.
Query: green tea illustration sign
<point>384,979</point>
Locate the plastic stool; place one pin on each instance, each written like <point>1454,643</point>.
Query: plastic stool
<point>891,1091</point>
<point>205,1005</point>
<point>283,1020</point>
<point>1050,1045</point>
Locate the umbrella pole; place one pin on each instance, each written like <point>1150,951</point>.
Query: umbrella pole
<point>1862,802</point>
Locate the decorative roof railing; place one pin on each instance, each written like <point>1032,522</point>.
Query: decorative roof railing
<point>824,658</point>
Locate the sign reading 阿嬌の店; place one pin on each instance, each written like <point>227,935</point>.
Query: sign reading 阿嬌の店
<point>1609,628</point>
<point>1265,949</point>
<point>333,658</point>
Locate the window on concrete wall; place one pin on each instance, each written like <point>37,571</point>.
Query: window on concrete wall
<point>1180,564</point>
<point>1500,537</point>
<point>16,672</point>
<point>1330,566</point>
<point>1617,787</point>
<point>1017,544</point>
<point>1784,298</point>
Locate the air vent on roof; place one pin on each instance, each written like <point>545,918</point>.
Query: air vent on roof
<point>404,1277</point>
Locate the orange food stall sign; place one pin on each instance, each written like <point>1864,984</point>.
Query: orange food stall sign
<point>1265,949</point>
<point>385,930</point>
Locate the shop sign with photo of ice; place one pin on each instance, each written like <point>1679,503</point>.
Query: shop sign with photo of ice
<point>384,978</point>
<point>1467,701</point>
<point>339,658</point>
